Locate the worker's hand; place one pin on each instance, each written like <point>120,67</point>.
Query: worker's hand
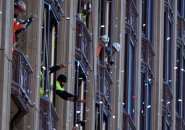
<point>70,98</point>
<point>75,128</point>
<point>62,66</point>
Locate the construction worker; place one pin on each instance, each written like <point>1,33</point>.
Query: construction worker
<point>19,25</point>
<point>60,91</point>
<point>115,47</point>
<point>52,69</point>
<point>103,41</point>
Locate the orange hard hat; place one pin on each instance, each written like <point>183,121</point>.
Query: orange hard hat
<point>21,6</point>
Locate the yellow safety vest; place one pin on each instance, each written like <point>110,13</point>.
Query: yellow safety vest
<point>58,87</point>
<point>41,87</point>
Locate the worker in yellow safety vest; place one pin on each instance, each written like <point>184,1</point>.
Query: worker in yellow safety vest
<point>60,91</point>
<point>52,69</point>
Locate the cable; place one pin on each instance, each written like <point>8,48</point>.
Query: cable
<point>10,60</point>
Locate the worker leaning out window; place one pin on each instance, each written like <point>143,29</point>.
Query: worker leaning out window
<point>109,51</point>
<point>60,83</point>
<point>19,25</point>
<point>60,91</point>
<point>51,70</point>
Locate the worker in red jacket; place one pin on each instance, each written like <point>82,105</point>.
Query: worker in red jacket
<point>19,25</point>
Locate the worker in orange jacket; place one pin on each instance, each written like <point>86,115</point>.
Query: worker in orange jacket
<point>19,25</point>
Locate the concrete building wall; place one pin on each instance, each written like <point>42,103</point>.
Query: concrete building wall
<point>66,54</point>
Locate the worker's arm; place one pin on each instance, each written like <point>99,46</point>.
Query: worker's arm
<point>55,68</point>
<point>68,96</point>
<point>24,24</point>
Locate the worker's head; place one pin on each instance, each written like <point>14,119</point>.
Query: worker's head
<point>19,6</point>
<point>115,47</point>
<point>105,38</point>
<point>62,79</point>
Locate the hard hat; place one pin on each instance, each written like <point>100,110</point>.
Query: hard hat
<point>116,46</point>
<point>21,6</point>
<point>105,38</point>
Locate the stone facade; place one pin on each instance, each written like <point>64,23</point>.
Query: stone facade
<point>142,90</point>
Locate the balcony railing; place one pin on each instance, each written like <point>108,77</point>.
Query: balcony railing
<point>168,3</point>
<point>131,15</point>
<point>83,43</point>
<point>180,123</point>
<point>167,98</point>
<point>104,86</point>
<point>180,22</point>
<point>147,55</point>
<point>56,8</point>
<point>128,123</point>
<point>47,121</point>
<point>21,81</point>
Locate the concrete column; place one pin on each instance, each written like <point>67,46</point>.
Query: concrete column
<point>118,35</point>
<point>138,64</point>
<point>32,49</point>
<point>115,97</point>
<point>6,21</point>
<point>66,55</point>
<point>62,57</point>
<point>158,67</point>
<point>121,36</point>
<point>66,48</point>
<point>91,96</point>
<point>71,40</point>
<point>173,71</point>
<point>0,20</point>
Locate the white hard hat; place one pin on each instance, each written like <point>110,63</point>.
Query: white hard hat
<point>116,46</point>
<point>105,38</point>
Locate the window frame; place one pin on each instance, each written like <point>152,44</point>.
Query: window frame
<point>129,95</point>
<point>49,49</point>
<point>80,91</point>
<point>167,49</point>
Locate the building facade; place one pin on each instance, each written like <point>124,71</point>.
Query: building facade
<point>136,85</point>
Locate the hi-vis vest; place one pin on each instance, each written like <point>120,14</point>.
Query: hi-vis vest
<point>58,87</point>
<point>41,87</point>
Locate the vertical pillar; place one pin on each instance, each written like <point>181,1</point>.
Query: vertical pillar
<point>6,21</point>
<point>91,96</point>
<point>115,95</point>
<point>158,60</point>
<point>33,51</point>
<point>66,48</point>
<point>0,20</point>
<point>118,35</point>
<point>70,36</point>
<point>62,57</point>
<point>173,74</point>
<point>138,64</point>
